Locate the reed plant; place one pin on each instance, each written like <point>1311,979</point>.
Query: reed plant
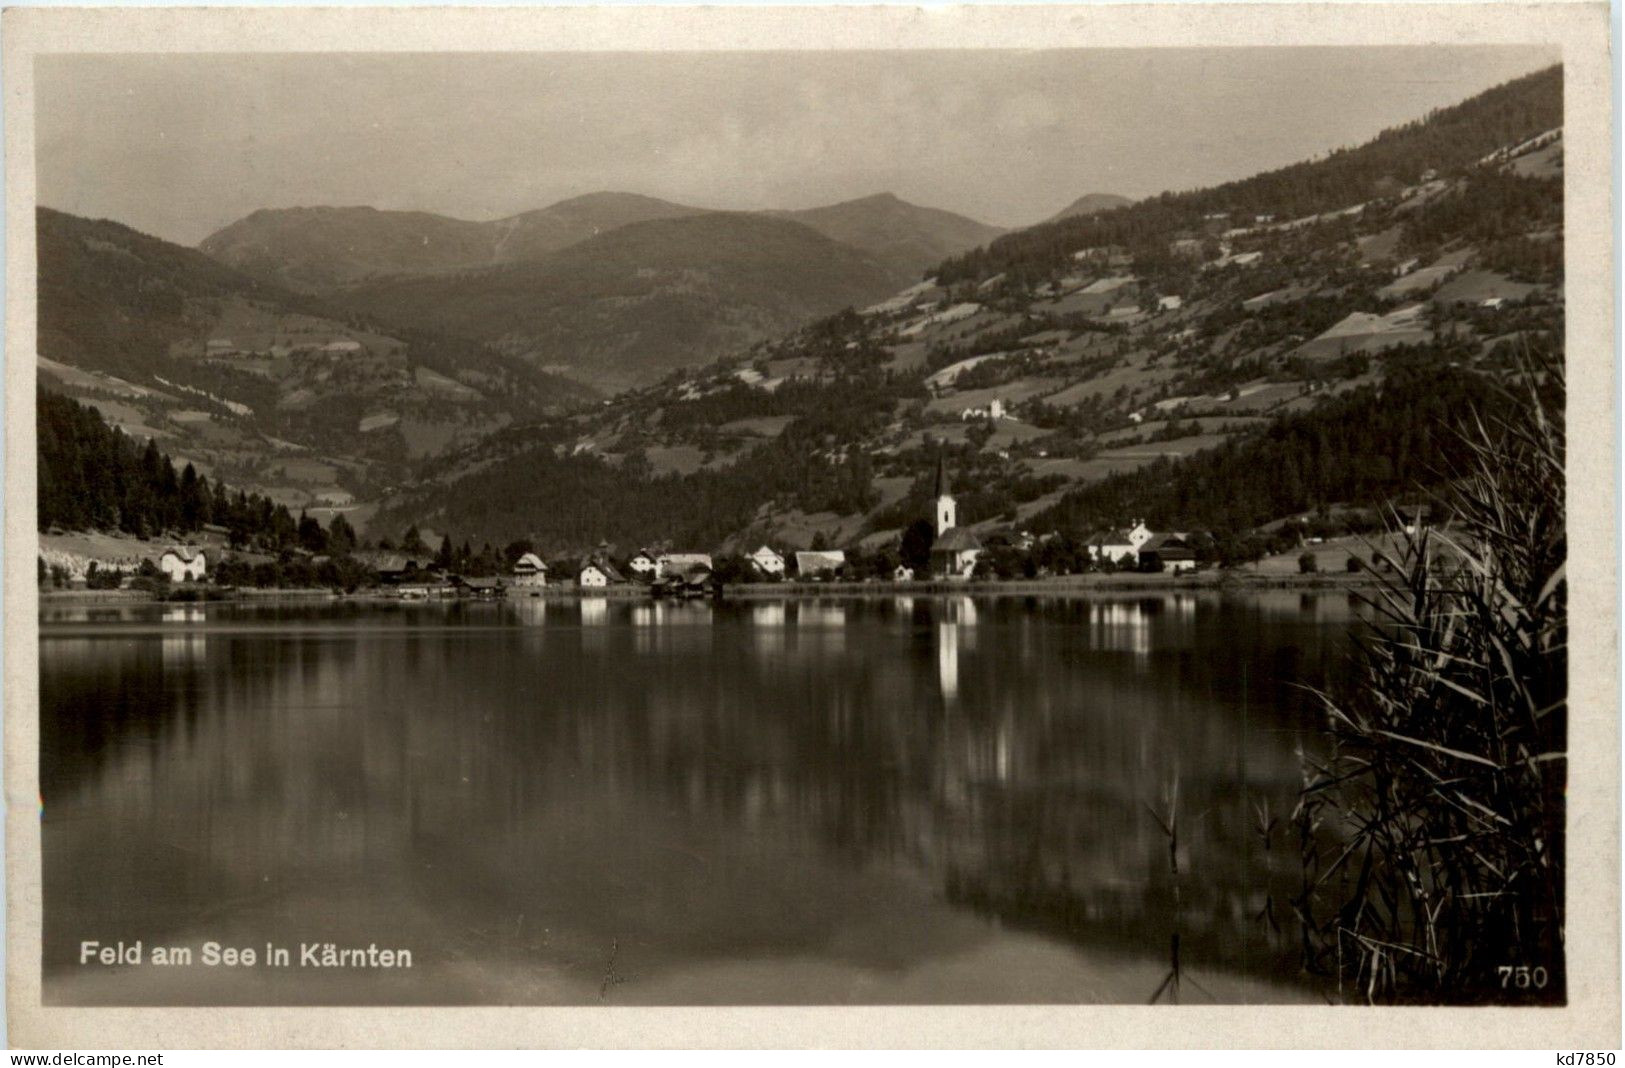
<point>1431,823</point>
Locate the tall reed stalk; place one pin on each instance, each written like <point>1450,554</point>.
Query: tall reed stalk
<point>1432,829</point>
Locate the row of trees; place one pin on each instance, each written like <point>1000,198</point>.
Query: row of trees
<point>96,477</point>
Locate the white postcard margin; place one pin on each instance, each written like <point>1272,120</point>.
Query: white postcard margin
<point>1591,1020</point>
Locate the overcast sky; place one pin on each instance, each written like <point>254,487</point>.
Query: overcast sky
<point>180,145</point>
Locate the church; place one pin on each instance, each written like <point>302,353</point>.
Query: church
<point>954,553</point>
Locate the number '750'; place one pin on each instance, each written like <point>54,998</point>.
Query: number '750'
<point>1522,977</point>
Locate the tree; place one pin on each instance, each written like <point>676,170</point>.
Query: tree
<point>1308,563</point>
<point>194,502</point>
<point>915,548</point>
<point>311,537</point>
<point>341,539</point>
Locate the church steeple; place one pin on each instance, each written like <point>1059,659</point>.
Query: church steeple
<point>945,500</point>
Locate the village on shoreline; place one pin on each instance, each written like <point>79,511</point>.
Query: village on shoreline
<point>933,557</point>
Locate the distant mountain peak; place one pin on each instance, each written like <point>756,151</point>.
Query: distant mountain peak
<point>1091,204</point>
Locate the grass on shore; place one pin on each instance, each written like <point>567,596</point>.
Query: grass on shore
<point>1433,835</point>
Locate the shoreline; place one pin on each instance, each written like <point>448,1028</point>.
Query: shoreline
<point>1127,582</point>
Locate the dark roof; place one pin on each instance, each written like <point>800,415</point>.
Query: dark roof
<point>1109,537</point>
<point>956,540</point>
<point>942,477</point>
<point>1161,542</point>
<point>604,566</point>
<point>481,583</point>
<point>1167,547</point>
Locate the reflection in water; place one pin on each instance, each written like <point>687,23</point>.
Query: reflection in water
<point>759,801</point>
<point>1120,626</point>
<point>186,644</point>
<point>948,662</point>
<point>768,628</point>
<point>530,611</point>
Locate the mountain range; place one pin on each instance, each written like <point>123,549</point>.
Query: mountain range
<point>1294,343</point>
<point>317,249</point>
<point>613,289</point>
<point>795,374</point>
<point>277,391</point>
<point>627,307</point>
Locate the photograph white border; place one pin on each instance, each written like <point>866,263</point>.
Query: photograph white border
<point>1581,30</point>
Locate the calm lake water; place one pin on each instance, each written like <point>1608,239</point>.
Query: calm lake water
<point>897,799</point>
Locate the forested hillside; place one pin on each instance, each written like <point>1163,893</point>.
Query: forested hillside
<point>1449,139</point>
<point>93,477</point>
<point>1381,443</point>
<point>628,306</point>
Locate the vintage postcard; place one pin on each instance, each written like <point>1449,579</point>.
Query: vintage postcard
<point>771,526</point>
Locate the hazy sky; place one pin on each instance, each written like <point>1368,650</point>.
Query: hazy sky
<point>180,145</point>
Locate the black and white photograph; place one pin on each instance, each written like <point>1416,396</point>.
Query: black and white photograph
<point>801,526</point>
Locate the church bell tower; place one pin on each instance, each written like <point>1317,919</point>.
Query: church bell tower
<point>945,501</point>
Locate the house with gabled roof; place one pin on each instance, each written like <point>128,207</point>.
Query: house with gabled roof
<point>598,573</point>
<point>1167,552</point>
<point>184,563</point>
<point>529,571</point>
<point>1120,546</point>
<point>768,562</point>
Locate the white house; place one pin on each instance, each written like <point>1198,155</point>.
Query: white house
<point>183,563</point>
<point>596,574</point>
<point>767,561</point>
<point>994,410</point>
<point>529,570</point>
<point>1173,302</point>
<point>1119,546</point>
<point>644,564</point>
<point>902,573</point>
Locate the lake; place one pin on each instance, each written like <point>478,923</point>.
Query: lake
<point>869,800</point>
